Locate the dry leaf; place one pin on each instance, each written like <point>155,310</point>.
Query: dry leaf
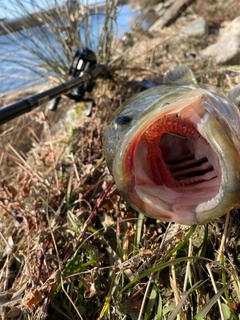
<point>12,191</point>
<point>14,312</point>
<point>32,299</point>
<point>88,282</point>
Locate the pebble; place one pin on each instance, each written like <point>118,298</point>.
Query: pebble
<point>227,49</point>
<point>198,27</point>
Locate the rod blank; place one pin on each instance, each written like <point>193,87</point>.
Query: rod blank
<point>28,104</point>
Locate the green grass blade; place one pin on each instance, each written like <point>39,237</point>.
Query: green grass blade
<point>159,314</point>
<point>213,300</point>
<point>183,300</point>
<point>182,243</point>
<point>151,304</point>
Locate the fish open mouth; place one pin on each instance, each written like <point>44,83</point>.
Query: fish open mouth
<point>174,151</point>
<point>176,169</point>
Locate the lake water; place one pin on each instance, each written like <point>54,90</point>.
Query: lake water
<point>14,76</point>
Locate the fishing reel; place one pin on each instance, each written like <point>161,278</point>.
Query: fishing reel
<point>84,70</point>
<point>84,59</point>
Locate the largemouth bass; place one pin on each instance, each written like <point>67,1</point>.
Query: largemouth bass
<point>174,150</point>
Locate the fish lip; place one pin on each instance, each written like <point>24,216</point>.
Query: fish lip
<point>228,197</point>
<point>127,181</point>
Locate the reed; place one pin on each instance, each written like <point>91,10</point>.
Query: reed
<point>51,32</point>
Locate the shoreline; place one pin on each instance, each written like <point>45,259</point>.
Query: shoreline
<point>14,25</point>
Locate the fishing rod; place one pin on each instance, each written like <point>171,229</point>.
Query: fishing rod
<point>83,70</point>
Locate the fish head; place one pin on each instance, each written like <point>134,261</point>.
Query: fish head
<point>173,151</point>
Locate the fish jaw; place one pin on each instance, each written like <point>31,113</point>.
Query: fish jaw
<point>228,195</point>
<point>194,200</point>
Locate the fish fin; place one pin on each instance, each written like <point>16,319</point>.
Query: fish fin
<point>179,75</point>
<point>234,95</point>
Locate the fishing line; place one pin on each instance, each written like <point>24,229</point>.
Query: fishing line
<point>178,135</point>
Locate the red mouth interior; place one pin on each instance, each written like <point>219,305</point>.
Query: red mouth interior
<point>171,159</point>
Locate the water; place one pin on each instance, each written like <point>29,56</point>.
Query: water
<point>14,76</point>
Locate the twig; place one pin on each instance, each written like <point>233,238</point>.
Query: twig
<point>90,219</point>
<point>52,151</point>
<point>216,290</point>
<point>145,297</point>
<point>190,247</point>
<point>224,238</point>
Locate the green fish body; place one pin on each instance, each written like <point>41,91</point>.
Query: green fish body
<point>173,150</point>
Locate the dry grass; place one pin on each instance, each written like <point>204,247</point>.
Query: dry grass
<point>71,250</point>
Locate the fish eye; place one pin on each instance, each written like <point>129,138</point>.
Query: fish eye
<point>121,120</point>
